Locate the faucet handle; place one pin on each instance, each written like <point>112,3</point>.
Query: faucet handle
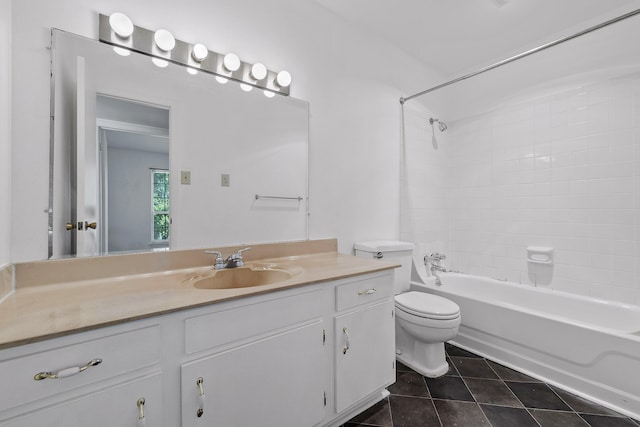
<point>219,260</point>
<point>437,256</point>
<point>237,257</point>
<point>239,253</point>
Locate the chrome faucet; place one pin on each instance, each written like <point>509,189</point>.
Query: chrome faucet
<point>433,262</point>
<point>232,261</point>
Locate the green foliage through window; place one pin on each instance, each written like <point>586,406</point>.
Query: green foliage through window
<point>160,179</point>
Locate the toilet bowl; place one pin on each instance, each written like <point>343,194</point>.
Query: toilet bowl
<point>423,321</point>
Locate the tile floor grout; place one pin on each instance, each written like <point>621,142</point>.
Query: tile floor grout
<point>501,397</point>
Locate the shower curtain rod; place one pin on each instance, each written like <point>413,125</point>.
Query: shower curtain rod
<point>522,55</point>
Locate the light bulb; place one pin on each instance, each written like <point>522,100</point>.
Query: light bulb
<point>269,94</point>
<point>121,25</point>
<point>192,71</point>
<point>258,71</point>
<point>222,80</point>
<point>199,52</point>
<point>245,87</point>
<point>160,62</point>
<point>164,40</point>
<point>231,62</point>
<point>283,79</point>
<point>121,51</point>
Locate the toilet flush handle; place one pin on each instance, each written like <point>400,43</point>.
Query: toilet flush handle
<point>378,255</point>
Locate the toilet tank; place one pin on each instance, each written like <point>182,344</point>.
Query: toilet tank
<point>391,251</point>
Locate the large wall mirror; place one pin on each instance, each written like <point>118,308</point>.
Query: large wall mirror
<point>149,157</point>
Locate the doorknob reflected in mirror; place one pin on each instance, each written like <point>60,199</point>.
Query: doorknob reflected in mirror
<point>92,225</point>
<point>69,226</point>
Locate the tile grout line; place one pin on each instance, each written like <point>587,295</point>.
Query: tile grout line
<point>433,404</point>
<point>389,405</point>
<point>475,400</point>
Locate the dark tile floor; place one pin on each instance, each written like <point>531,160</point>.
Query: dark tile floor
<point>478,392</point>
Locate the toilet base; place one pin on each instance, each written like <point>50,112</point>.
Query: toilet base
<point>430,361</point>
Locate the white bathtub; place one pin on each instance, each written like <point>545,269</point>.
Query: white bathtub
<point>587,346</point>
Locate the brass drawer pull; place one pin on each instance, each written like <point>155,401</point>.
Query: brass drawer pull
<point>141,419</point>
<point>66,372</point>
<point>346,339</point>
<point>367,291</point>
<point>200,384</point>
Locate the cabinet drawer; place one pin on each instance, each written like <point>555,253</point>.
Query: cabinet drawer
<point>364,290</point>
<point>120,353</point>
<point>239,323</point>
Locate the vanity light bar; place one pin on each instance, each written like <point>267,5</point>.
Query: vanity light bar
<point>142,41</point>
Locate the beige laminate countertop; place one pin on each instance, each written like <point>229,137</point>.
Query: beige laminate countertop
<point>40,312</point>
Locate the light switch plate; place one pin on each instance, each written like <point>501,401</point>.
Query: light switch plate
<point>225,180</point>
<point>185,177</point>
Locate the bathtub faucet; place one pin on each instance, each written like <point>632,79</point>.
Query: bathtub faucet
<point>433,262</point>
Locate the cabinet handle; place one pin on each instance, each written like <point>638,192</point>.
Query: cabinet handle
<point>142,421</point>
<point>200,384</point>
<point>346,339</point>
<point>67,372</point>
<point>367,291</point>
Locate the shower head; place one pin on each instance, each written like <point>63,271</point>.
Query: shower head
<point>441,125</point>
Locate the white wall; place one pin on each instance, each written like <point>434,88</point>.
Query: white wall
<point>352,81</point>
<point>5,132</point>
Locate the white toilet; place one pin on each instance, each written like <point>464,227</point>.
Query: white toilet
<point>423,321</point>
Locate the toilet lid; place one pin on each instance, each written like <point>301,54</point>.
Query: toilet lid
<point>427,305</point>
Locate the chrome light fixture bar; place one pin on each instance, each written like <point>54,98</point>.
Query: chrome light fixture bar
<point>195,56</point>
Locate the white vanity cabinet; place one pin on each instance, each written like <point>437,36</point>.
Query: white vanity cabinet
<point>365,339</point>
<point>274,359</point>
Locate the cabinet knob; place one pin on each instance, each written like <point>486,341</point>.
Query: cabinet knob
<point>200,384</point>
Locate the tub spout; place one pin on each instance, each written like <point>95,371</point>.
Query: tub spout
<point>438,282</point>
<point>432,261</point>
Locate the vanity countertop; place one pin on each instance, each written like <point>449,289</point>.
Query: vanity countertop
<point>46,310</point>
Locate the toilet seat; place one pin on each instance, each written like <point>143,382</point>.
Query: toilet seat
<point>427,306</point>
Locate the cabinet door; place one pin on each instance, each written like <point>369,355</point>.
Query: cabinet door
<point>111,407</point>
<point>365,352</point>
<point>276,381</point>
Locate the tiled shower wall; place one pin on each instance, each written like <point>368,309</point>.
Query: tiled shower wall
<point>559,170</point>
<point>423,208</point>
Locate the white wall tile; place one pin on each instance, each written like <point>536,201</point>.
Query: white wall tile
<point>563,171</point>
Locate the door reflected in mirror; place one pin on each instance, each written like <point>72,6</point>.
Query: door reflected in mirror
<point>134,202</point>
